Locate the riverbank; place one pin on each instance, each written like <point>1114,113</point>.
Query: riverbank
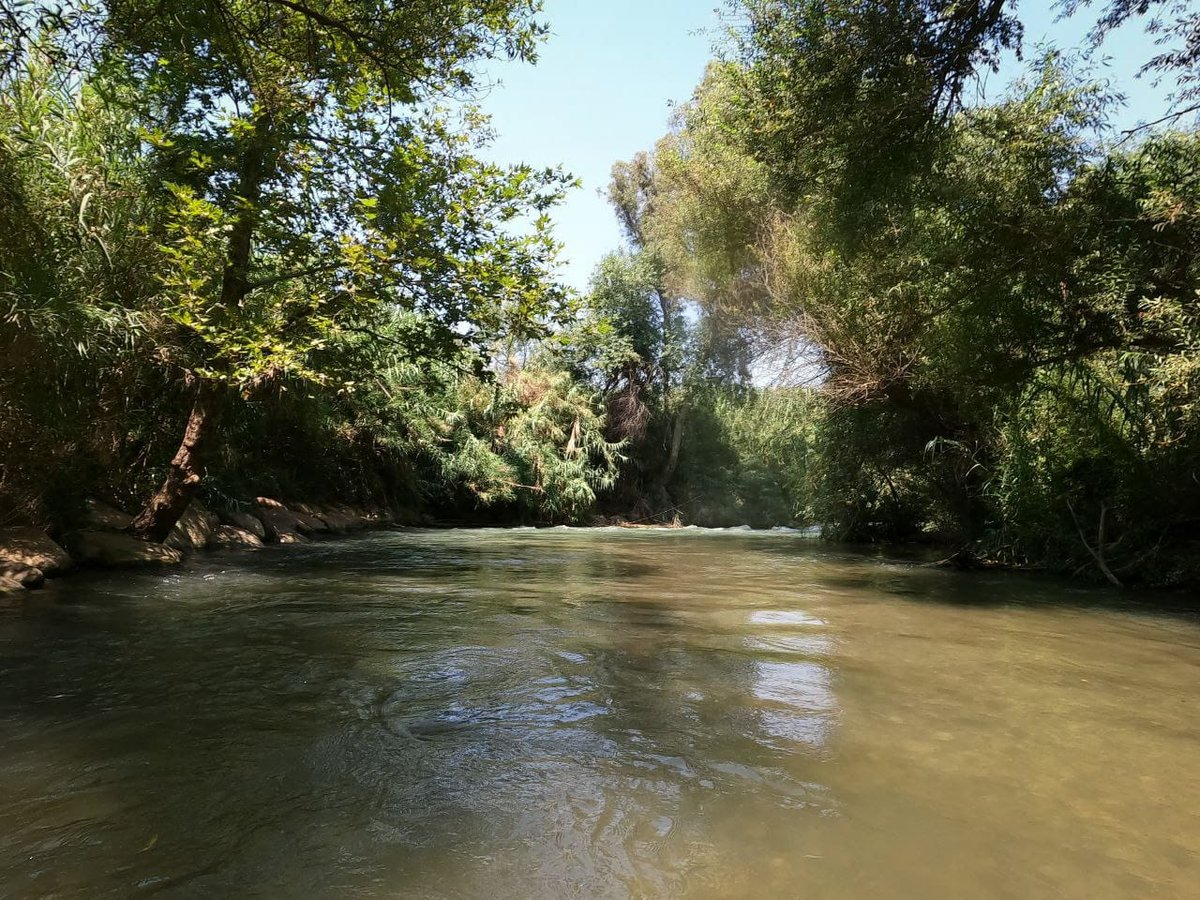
<point>30,555</point>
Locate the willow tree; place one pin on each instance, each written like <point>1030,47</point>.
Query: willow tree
<point>631,194</point>
<point>1003,305</point>
<point>849,97</point>
<point>308,183</point>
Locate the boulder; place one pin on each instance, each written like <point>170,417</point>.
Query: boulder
<point>102,517</point>
<point>247,522</point>
<point>278,521</point>
<point>308,518</point>
<point>10,585</point>
<point>331,520</point>
<point>30,547</point>
<point>310,524</point>
<point>193,529</point>
<point>231,536</point>
<point>28,576</point>
<point>292,537</point>
<point>342,519</point>
<point>105,548</point>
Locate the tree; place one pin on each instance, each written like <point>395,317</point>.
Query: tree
<point>306,188</point>
<point>1003,306</point>
<point>850,95</point>
<point>631,192</point>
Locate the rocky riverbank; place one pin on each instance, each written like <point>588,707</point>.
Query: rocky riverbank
<point>30,555</point>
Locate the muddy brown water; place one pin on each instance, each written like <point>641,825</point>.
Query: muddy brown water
<point>594,714</point>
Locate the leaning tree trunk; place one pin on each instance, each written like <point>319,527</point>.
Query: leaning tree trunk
<point>171,500</point>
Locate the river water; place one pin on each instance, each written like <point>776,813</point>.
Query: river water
<point>594,714</point>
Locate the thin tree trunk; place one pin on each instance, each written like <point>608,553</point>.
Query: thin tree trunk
<point>1098,553</point>
<point>673,458</point>
<point>171,500</point>
<point>664,305</point>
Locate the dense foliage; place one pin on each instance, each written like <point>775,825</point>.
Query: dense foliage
<point>999,307</point>
<point>249,216</point>
<point>848,297</point>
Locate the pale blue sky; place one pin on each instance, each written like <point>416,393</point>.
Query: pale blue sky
<point>603,86</point>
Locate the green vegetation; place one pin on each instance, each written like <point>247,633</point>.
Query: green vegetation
<point>272,263</point>
<point>270,254</point>
<point>999,303</point>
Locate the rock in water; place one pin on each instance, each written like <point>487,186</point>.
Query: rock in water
<point>10,585</point>
<point>31,548</point>
<point>278,521</point>
<point>247,522</point>
<point>193,529</point>
<point>105,548</point>
<point>341,520</point>
<point>229,536</point>
<point>102,517</point>
<point>28,576</point>
<point>311,524</point>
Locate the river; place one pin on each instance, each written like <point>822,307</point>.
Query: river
<point>594,714</point>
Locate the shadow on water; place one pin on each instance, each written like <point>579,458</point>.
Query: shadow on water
<point>910,573</point>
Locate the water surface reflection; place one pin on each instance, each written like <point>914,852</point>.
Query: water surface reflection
<point>593,714</point>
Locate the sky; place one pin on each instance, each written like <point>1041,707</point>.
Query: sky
<point>606,79</point>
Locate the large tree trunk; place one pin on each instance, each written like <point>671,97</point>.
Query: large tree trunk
<point>169,502</point>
